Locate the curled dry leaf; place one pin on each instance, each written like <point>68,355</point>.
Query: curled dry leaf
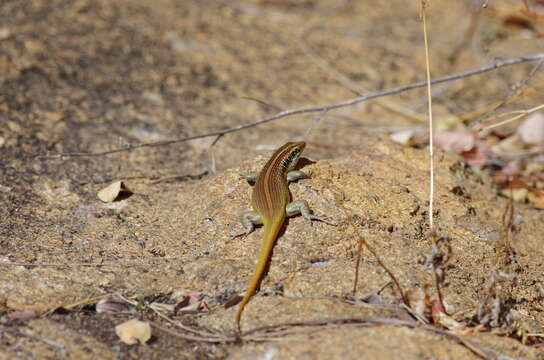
<point>113,305</point>
<point>133,331</point>
<point>531,130</point>
<point>190,303</point>
<point>112,191</point>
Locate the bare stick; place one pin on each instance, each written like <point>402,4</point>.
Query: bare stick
<point>270,331</point>
<point>362,241</point>
<point>291,112</point>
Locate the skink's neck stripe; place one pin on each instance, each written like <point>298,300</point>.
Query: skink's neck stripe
<point>272,172</point>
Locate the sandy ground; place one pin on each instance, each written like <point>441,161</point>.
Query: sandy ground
<point>87,76</point>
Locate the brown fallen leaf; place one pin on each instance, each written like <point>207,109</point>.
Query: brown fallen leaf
<point>133,331</point>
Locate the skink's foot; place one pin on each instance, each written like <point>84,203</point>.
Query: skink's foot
<point>251,176</point>
<point>301,207</point>
<point>249,219</point>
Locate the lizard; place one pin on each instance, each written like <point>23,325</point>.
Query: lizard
<point>271,202</point>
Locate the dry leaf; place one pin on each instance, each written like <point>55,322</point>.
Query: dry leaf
<point>458,141</point>
<point>533,168</point>
<point>112,191</point>
<point>402,137</point>
<point>537,198</point>
<point>233,301</point>
<point>113,305</point>
<point>190,304</point>
<point>22,315</point>
<point>437,308</point>
<point>532,129</point>
<point>518,194</point>
<point>418,301</point>
<point>508,145</point>
<point>447,321</point>
<point>133,331</point>
<point>162,307</point>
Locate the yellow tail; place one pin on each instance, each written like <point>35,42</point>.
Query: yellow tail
<point>271,230</point>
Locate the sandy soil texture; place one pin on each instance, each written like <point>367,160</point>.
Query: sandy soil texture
<point>88,76</point>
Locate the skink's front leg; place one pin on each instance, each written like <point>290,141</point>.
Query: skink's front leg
<point>248,219</point>
<point>296,175</point>
<point>251,176</point>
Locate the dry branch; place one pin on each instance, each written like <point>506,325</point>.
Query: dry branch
<point>285,113</point>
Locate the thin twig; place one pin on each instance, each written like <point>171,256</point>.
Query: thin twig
<point>181,326</point>
<point>66,265</point>
<point>265,333</point>
<point>515,93</point>
<point>347,82</point>
<point>291,112</point>
<point>16,332</point>
<point>225,339</point>
<point>362,241</point>
<point>472,346</point>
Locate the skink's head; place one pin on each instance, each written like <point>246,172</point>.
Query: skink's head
<point>290,154</point>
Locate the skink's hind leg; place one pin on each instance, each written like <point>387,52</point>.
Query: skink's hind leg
<point>249,219</point>
<point>301,207</point>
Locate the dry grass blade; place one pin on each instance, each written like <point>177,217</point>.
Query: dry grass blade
<point>520,114</point>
